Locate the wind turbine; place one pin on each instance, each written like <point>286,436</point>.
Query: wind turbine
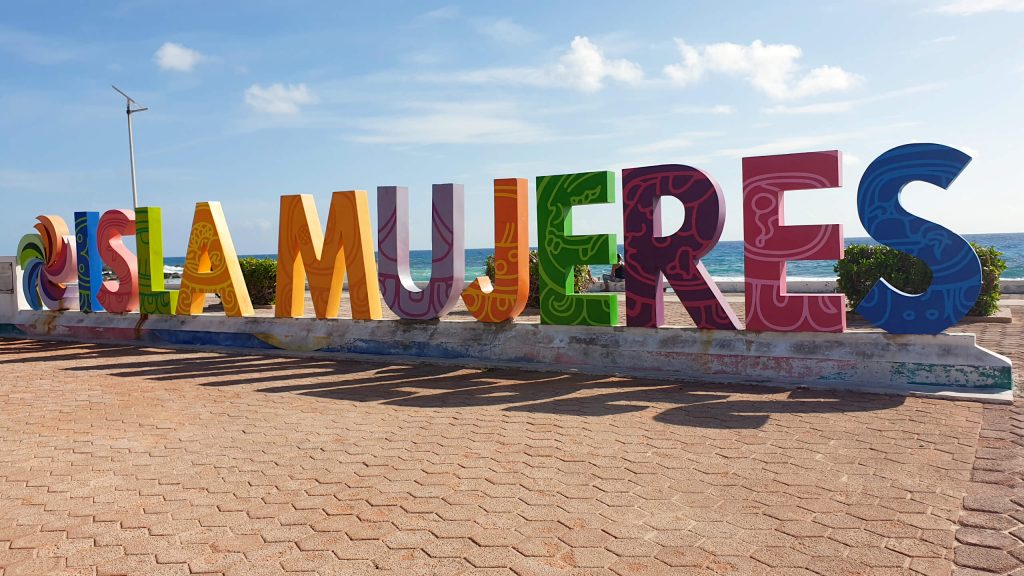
<point>131,147</point>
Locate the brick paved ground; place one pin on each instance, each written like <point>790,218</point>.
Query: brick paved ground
<point>990,537</point>
<point>121,460</point>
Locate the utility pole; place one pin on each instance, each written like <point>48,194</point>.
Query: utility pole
<point>131,147</point>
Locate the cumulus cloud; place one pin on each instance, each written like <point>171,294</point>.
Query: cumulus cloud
<point>971,7</point>
<point>585,67</point>
<point>176,57</point>
<point>279,98</point>
<point>770,68</point>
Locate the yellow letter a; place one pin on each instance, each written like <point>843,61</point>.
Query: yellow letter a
<point>303,249</point>
<point>211,265</point>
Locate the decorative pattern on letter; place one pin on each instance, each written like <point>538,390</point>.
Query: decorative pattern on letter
<point>649,254</point>
<point>49,262</point>
<point>303,249</point>
<point>559,251</point>
<point>90,268</point>
<point>120,295</point>
<point>768,243</point>
<point>211,266</point>
<point>149,240</point>
<point>448,272</point>
<point>956,270</point>
<point>31,258</point>
<point>506,299</point>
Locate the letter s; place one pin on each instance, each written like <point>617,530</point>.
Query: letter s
<point>956,270</point>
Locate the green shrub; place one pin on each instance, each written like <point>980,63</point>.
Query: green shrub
<point>582,281</point>
<point>863,265</point>
<point>260,278</point>
<point>992,267</point>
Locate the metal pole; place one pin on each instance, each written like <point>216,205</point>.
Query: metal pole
<point>131,154</point>
<point>131,146</point>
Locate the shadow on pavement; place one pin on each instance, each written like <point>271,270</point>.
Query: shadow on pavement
<point>693,404</point>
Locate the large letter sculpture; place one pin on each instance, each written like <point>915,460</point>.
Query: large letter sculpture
<point>506,298</point>
<point>90,267</point>
<point>49,262</point>
<point>956,270</point>
<point>149,241</point>
<point>559,251</point>
<point>448,271</point>
<point>211,266</point>
<point>649,254</point>
<point>303,249</point>
<point>122,294</point>
<point>32,258</point>
<point>768,243</point>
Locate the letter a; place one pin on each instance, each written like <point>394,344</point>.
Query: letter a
<point>211,265</point>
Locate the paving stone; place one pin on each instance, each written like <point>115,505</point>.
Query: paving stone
<point>149,461</point>
<point>986,559</point>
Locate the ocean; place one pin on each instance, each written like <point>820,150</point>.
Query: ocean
<point>725,262</point>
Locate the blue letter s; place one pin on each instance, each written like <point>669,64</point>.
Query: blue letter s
<point>956,270</point>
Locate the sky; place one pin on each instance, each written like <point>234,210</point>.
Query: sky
<point>252,100</point>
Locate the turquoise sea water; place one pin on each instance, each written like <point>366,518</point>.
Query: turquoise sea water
<point>725,262</point>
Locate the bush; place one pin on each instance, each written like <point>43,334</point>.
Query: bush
<point>260,278</point>
<point>582,281</point>
<point>863,265</point>
<point>992,267</point>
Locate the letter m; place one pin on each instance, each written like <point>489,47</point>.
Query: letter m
<point>304,250</point>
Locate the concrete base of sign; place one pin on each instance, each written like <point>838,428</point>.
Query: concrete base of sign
<point>946,365</point>
<point>11,299</point>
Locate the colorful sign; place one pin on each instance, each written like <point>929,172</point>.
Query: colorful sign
<point>53,260</point>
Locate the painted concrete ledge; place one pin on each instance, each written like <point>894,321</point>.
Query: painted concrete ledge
<point>946,365</point>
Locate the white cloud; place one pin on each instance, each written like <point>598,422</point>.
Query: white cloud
<point>279,98</point>
<point>848,105</point>
<point>176,57</point>
<point>462,123</point>
<point>716,110</point>
<point>505,31</point>
<point>442,13</point>
<point>585,67</point>
<point>658,146</point>
<point>971,7</point>
<point>770,68</point>
<point>820,108</point>
<point>810,142</point>
<point>941,40</point>
<point>582,67</point>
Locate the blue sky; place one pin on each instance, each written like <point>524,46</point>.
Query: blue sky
<point>252,100</point>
